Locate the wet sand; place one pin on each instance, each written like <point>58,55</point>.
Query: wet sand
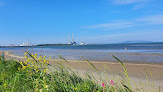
<point>136,71</point>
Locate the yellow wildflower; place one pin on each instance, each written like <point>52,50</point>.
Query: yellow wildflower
<point>41,90</point>
<point>43,78</point>
<point>25,62</point>
<point>24,67</point>
<point>25,56</point>
<point>37,71</point>
<point>49,57</point>
<point>19,68</point>
<point>25,53</point>
<point>35,54</point>
<point>47,61</point>
<point>21,63</point>
<point>44,61</point>
<point>5,84</point>
<point>32,55</point>
<point>28,65</point>
<point>44,70</point>
<point>28,60</point>
<point>36,67</point>
<point>45,56</point>
<point>40,58</point>
<point>46,86</point>
<point>75,88</point>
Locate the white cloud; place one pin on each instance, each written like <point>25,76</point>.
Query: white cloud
<point>133,36</point>
<point>110,26</point>
<point>153,19</point>
<point>147,20</point>
<point>122,2</point>
<point>124,35</point>
<point>138,6</point>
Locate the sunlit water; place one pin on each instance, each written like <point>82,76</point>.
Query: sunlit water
<point>138,52</point>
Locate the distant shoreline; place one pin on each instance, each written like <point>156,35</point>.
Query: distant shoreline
<point>37,45</point>
<point>127,42</point>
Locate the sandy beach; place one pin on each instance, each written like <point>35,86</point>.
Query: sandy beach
<point>136,71</point>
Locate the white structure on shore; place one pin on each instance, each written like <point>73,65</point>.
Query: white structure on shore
<point>26,44</point>
<point>73,42</point>
<point>82,43</point>
<point>69,40</point>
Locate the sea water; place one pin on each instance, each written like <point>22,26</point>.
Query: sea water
<point>136,52</point>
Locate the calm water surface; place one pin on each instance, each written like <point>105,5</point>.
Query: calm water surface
<point>136,52</point>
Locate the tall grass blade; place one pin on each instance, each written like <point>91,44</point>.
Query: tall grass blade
<point>126,73</point>
<point>152,79</point>
<point>146,77</point>
<point>93,67</point>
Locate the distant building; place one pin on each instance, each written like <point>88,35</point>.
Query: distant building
<point>26,44</point>
<point>83,43</point>
<point>73,42</point>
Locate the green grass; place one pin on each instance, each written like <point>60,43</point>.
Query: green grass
<point>34,75</point>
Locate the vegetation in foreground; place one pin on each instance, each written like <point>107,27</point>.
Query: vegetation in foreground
<point>37,75</point>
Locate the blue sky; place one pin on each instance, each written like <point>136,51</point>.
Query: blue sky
<point>91,21</point>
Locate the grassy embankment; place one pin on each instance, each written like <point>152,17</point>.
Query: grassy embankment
<point>36,74</point>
